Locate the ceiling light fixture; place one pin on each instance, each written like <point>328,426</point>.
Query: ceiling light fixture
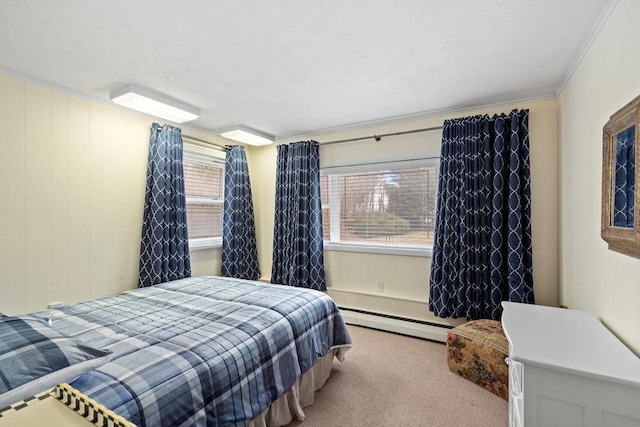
<point>247,135</point>
<point>154,104</point>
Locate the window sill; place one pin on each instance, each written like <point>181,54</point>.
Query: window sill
<point>205,243</point>
<point>379,249</point>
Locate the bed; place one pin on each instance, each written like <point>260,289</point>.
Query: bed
<point>206,351</point>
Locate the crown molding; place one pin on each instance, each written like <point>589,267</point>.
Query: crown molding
<point>408,117</point>
<point>105,101</point>
<point>597,27</point>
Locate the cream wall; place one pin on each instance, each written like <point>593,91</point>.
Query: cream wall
<point>592,278</point>
<point>352,277</point>
<point>262,173</point>
<point>72,177</point>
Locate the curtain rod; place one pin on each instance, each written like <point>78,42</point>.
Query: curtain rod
<point>340,141</point>
<point>193,138</point>
<point>379,137</point>
<point>217,146</point>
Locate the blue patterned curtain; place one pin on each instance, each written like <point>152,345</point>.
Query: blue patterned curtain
<point>280,258</point>
<point>482,244</point>
<point>164,250</point>
<point>239,251</point>
<point>298,258</point>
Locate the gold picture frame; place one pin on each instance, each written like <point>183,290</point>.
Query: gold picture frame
<point>621,235</point>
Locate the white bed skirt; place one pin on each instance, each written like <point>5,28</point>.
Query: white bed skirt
<point>300,395</point>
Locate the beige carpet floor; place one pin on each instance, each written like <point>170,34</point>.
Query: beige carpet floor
<point>394,380</point>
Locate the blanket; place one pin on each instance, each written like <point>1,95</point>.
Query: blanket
<point>203,350</point>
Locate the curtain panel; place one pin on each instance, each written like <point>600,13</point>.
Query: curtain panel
<point>164,248</point>
<point>239,249</point>
<point>482,252</point>
<point>298,258</point>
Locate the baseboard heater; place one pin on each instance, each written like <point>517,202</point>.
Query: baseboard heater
<point>400,325</point>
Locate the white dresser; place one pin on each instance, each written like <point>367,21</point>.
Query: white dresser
<point>566,369</point>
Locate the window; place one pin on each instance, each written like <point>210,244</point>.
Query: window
<point>204,190</point>
<point>383,207</point>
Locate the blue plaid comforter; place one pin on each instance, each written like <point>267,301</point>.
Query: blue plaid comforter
<point>203,350</point>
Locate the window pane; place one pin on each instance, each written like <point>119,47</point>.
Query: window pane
<point>203,184</point>
<point>203,181</point>
<point>326,206</point>
<point>392,207</point>
<point>204,220</point>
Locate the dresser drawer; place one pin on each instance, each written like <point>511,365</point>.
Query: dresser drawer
<point>516,396</point>
<point>515,377</point>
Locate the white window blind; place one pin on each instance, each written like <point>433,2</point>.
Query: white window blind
<point>204,190</point>
<point>381,204</point>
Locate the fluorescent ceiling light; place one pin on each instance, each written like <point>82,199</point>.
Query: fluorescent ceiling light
<point>247,135</point>
<point>154,104</point>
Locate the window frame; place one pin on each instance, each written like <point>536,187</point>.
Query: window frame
<point>405,250</point>
<point>209,156</point>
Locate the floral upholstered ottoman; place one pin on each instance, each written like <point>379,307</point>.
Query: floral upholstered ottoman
<point>477,351</point>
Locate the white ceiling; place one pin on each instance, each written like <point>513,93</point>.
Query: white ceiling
<point>293,67</point>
